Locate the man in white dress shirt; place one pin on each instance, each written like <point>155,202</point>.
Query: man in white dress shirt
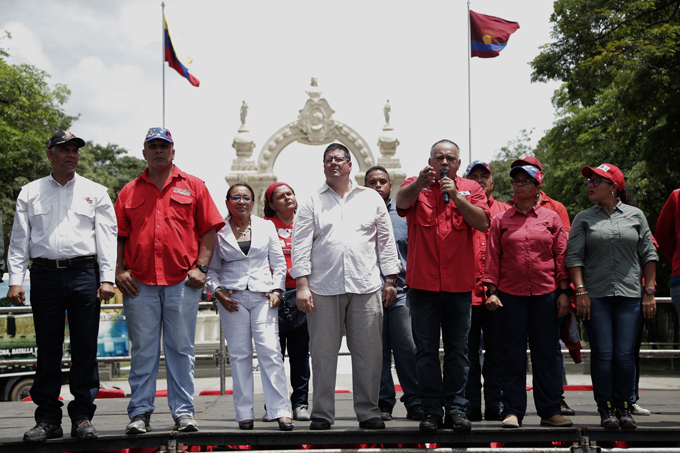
<point>342,239</point>
<point>66,224</point>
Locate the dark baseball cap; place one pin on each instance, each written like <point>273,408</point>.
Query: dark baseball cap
<point>60,137</point>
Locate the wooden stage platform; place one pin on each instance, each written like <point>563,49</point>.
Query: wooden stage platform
<point>218,427</point>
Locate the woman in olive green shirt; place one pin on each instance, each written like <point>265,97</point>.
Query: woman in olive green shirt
<point>610,249</point>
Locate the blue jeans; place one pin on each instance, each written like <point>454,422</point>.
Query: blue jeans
<point>535,317</point>
<point>675,292</point>
<point>297,342</point>
<point>53,293</point>
<point>483,320</point>
<point>398,339</point>
<point>172,311</point>
<point>612,332</point>
<point>432,312</point>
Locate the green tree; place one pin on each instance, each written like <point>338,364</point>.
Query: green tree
<point>619,62</point>
<point>30,112</point>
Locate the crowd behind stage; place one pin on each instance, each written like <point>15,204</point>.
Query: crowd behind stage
<point>441,262</point>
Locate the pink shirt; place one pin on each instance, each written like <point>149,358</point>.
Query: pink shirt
<point>525,253</point>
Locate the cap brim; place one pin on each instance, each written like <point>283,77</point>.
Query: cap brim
<point>79,141</point>
<point>587,171</point>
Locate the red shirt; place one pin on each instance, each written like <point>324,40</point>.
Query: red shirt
<point>440,253</point>
<point>668,230</point>
<point>163,228</point>
<point>525,254</point>
<point>553,205</point>
<point>285,233</point>
<point>479,241</point>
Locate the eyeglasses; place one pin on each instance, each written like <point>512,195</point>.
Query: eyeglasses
<point>330,160</point>
<point>243,198</point>
<point>597,181</point>
<point>522,182</point>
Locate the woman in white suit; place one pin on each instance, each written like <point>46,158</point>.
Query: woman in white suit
<point>247,274</point>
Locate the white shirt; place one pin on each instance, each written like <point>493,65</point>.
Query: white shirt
<point>263,269</point>
<point>341,244</point>
<point>60,222</point>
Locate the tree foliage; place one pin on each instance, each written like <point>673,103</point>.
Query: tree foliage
<point>30,111</point>
<point>619,62</point>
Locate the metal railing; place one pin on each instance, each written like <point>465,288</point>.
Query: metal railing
<point>221,356</point>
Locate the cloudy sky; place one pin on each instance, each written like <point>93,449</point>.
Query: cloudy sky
<point>109,53</point>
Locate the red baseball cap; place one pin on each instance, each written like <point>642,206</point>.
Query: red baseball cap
<point>608,171</point>
<point>527,160</point>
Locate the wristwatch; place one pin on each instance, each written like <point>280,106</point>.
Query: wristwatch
<point>491,292</point>
<point>568,291</point>
<point>202,267</point>
<point>391,280</point>
<point>650,291</point>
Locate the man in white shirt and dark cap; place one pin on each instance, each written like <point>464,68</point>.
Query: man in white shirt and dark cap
<point>342,239</point>
<point>66,225</point>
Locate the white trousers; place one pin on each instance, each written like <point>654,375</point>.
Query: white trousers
<point>360,316</point>
<point>255,320</point>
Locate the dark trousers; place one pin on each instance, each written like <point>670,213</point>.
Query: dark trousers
<point>483,320</point>
<point>535,317</point>
<point>56,293</point>
<point>297,342</point>
<point>433,312</point>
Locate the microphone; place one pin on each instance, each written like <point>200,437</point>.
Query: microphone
<point>444,173</point>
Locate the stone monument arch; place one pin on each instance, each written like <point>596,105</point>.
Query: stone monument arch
<point>315,126</point>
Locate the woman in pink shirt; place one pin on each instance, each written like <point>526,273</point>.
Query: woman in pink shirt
<point>527,285</point>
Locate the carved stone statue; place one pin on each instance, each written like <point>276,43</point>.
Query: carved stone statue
<point>388,112</point>
<point>244,113</point>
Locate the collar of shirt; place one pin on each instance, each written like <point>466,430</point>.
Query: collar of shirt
<point>176,173</point>
<point>534,210</point>
<point>353,186</point>
<point>71,181</point>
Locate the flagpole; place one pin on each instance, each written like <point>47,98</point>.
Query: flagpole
<point>163,55</point>
<point>469,53</point>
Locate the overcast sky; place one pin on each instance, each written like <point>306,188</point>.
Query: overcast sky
<point>109,53</point>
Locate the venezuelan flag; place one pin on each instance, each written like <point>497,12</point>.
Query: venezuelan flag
<point>173,60</point>
<point>489,35</point>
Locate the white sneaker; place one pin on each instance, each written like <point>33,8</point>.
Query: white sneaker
<point>639,410</point>
<point>300,413</point>
<point>510,421</point>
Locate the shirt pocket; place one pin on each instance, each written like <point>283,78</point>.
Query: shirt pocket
<point>84,213</point>
<point>180,207</point>
<point>39,215</point>
<point>426,213</point>
<point>134,211</point>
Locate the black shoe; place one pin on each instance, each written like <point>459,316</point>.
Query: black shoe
<point>319,424</point>
<point>430,423</point>
<point>247,426</point>
<point>83,429</point>
<point>474,414</point>
<point>385,410</point>
<point>608,418</point>
<point>415,412</point>
<point>492,414</point>
<point>43,431</point>
<point>566,410</point>
<point>458,422</point>
<point>626,420</point>
<point>139,424</point>
<point>372,423</point>
<point>285,426</point>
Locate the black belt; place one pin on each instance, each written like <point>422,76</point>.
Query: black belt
<point>66,263</point>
